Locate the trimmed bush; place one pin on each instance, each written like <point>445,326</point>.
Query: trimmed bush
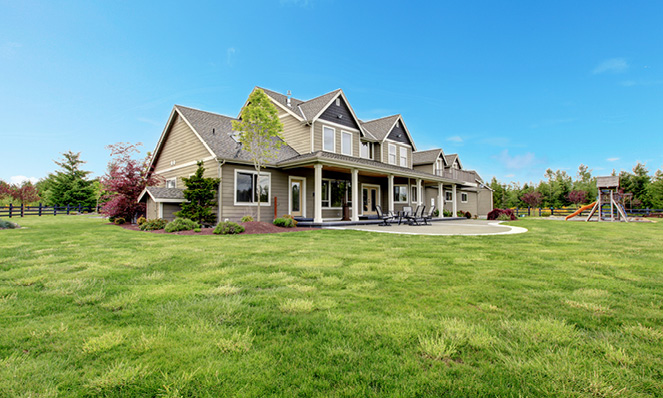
<point>111,219</point>
<point>181,224</point>
<point>197,230</point>
<point>247,218</point>
<point>141,220</point>
<point>447,213</point>
<point>285,222</point>
<point>495,214</point>
<point>4,224</point>
<point>153,225</point>
<point>468,215</point>
<point>228,228</point>
<point>119,221</point>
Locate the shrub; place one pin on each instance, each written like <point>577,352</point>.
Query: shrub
<point>119,221</point>
<point>503,217</point>
<point>141,220</point>
<point>446,213</point>
<point>111,219</point>
<point>285,222</point>
<point>8,225</point>
<point>197,230</point>
<point>460,213</point>
<point>288,216</point>
<point>181,224</point>
<point>153,225</point>
<point>228,228</point>
<point>436,213</point>
<point>247,218</point>
<point>468,215</point>
<point>495,214</point>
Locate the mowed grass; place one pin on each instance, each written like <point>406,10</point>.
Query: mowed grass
<point>567,309</point>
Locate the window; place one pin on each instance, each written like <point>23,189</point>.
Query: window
<point>171,183</point>
<point>346,143</point>
<point>400,193</point>
<point>392,154</point>
<point>333,192</point>
<point>414,194</point>
<point>328,139</point>
<point>366,150</point>
<point>403,157</point>
<point>463,197</point>
<point>438,167</point>
<point>448,196</point>
<point>248,187</point>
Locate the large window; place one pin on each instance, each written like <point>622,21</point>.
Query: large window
<point>400,193</point>
<point>403,157</point>
<point>249,187</point>
<point>328,139</point>
<point>366,150</point>
<point>333,192</point>
<point>392,154</point>
<point>346,143</point>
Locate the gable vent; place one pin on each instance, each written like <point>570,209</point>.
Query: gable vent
<point>338,102</point>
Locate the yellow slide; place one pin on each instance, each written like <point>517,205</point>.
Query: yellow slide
<point>580,210</point>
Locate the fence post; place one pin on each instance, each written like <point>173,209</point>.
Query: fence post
<point>552,211</point>
<point>539,212</point>
<point>11,206</point>
<point>39,209</point>
<point>22,210</point>
<point>68,207</point>
<point>529,211</point>
<point>55,210</point>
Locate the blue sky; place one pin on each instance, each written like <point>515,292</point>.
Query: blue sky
<point>513,87</point>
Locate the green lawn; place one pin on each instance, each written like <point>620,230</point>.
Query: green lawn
<point>567,309</point>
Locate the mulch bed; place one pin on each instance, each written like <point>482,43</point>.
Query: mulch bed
<point>252,227</point>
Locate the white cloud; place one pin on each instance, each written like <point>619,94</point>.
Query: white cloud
<point>510,175</point>
<point>612,65</point>
<point>230,55</point>
<point>516,162</point>
<point>18,180</point>
<point>455,138</point>
<point>612,159</point>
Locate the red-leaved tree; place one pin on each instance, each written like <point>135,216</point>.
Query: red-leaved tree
<point>577,197</point>
<point>125,179</point>
<point>24,193</point>
<point>4,190</point>
<point>533,199</point>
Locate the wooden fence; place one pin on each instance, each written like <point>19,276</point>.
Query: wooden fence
<point>565,211</point>
<point>22,211</point>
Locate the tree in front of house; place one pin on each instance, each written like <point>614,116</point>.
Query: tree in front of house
<point>124,181</point>
<point>259,129</point>
<point>199,193</point>
<point>70,185</point>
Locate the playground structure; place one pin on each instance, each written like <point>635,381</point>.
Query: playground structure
<point>609,204</point>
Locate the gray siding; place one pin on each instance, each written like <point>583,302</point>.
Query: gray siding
<point>317,134</point>
<point>385,153</point>
<point>296,134</point>
<point>398,134</point>
<point>181,145</point>
<point>169,209</point>
<point>333,112</point>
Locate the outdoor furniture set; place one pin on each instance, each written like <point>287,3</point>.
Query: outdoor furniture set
<point>406,216</point>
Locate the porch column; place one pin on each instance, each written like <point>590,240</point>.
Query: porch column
<point>440,198</point>
<point>317,200</point>
<point>420,199</point>
<point>355,195</point>
<point>390,192</point>
<point>455,201</point>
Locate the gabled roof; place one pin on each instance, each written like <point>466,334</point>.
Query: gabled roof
<point>451,158</point>
<point>312,108</point>
<point>159,194</point>
<point>380,128</point>
<point>427,157</point>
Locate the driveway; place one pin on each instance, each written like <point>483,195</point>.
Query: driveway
<point>455,227</point>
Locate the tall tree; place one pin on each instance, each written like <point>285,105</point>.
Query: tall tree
<point>655,190</point>
<point>532,199</point>
<point>637,183</point>
<point>124,181</point>
<point>70,185</point>
<point>199,194</point>
<point>259,130</point>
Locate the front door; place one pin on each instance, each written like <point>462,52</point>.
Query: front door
<point>296,197</point>
<point>369,196</point>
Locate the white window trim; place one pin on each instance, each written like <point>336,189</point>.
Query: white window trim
<point>351,142</point>
<point>174,180</point>
<point>445,196</point>
<point>466,197</point>
<point>303,194</point>
<point>262,173</point>
<point>349,193</point>
<point>400,156</point>
<point>407,194</point>
<point>389,154</point>
<point>323,138</point>
<point>361,196</point>
<point>413,189</point>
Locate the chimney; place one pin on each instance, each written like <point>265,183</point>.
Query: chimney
<point>289,94</point>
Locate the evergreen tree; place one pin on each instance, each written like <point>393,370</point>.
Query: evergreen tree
<point>655,190</point>
<point>636,183</point>
<point>199,193</point>
<point>70,184</point>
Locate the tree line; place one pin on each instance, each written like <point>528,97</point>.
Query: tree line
<point>559,189</point>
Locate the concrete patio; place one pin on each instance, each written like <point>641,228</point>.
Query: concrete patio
<point>449,228</point>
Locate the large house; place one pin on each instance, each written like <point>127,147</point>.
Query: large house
<point>330,155</point>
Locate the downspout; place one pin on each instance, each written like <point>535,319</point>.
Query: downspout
<point>219,213</point>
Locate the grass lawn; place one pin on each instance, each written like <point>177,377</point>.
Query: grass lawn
<point>567,309</point>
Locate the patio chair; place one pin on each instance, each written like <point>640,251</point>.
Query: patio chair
<point>414,218</point>
<point>404,214</point>
<point>386,218</point>
<point>427,217</point>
